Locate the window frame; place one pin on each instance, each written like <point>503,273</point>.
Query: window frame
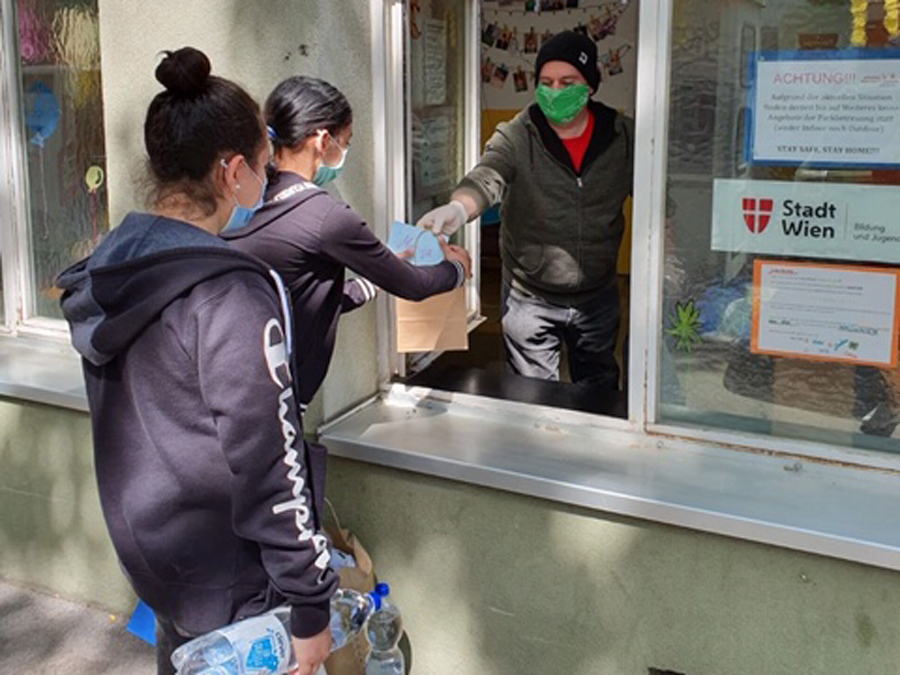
<point>647,256</point>
<point>393,148</point>
<point>15,235</point>
<point>651,132</point>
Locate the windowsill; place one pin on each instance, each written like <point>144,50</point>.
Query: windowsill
<point>575,458</point>
<point>42,371</point>
<point>822,508</point>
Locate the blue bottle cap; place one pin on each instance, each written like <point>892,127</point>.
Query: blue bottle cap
<point>383,589</point>
<point>376,599</point>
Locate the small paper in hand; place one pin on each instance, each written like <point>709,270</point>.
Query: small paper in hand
<point>425,247</point>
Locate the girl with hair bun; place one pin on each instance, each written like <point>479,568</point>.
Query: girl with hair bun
<point>203,472</point>
<point>311,239</point>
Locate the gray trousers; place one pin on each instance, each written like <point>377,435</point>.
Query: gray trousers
<point>535,330</point>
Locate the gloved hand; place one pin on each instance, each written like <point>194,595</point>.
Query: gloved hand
<point>445,219</point>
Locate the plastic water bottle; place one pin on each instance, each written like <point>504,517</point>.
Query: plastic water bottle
<point>261,645</point>
<point>384,629</point>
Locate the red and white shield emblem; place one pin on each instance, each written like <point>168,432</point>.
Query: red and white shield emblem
<point>757,214</point>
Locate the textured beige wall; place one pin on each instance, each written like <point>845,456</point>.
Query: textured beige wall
<point>499,584</point>
<point>52,533</point>
<point>495,583</point>
<point>257,44</point>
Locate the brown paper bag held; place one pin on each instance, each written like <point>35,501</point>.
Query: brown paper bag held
<point>433,325</point>
<point>350,659</point>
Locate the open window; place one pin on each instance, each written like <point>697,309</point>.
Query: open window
<point>767,149</point>
<point>469,66</point>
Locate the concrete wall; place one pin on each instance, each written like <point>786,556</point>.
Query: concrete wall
<point>52,534</point>
<point>256,44</point>
<point>494,583</point>
<point>499,584</point>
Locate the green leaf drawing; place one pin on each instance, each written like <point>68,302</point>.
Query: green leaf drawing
<point>684,326</point>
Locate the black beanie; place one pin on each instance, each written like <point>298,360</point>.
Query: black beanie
<point>574,48</point>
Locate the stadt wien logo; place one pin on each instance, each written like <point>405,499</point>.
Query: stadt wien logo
<point>757,214</point>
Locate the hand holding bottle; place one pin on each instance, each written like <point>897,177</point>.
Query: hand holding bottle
<point>311,652</point>
<point>264,643</point>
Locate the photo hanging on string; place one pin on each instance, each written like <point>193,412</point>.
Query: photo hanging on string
<point>520,80</point>
<point>501,72</point>
<point>489,34</point>
<point>487,69</point>
<point>531,41</point>
<point>503,39</point>
<point>612,60</point>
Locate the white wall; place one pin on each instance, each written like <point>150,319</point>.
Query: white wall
<point>256,44</point>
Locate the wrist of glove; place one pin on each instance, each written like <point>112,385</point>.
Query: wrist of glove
<point>446,219</point>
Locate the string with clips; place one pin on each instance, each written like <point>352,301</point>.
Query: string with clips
<point>514,52</point>
<point>509,11</point>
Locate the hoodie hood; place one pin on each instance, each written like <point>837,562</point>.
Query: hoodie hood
<point>138,270</point>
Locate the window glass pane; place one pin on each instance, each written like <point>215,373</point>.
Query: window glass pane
<point>62,119</point>
<point>436,109</point>
<point>784,150</point>
<point>3,318</point>
<point>437,101</point>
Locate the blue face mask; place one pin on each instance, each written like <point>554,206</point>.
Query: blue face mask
<point>241,215</point>
<point>326,174</point>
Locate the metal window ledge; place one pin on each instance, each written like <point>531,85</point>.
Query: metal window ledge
<point>824,508</point>
<point>42,371</point>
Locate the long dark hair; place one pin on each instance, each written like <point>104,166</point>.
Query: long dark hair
<point>300,106</point>
<point>196,121</point>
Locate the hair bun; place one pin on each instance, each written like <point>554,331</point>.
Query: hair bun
<point>184,72</point>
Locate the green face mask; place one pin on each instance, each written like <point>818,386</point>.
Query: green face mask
<point>561,106</point>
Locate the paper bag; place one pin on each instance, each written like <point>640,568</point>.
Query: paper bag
<point>350,659</point>
<point>436,324</point>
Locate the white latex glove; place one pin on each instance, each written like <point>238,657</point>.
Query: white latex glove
<point>445,219</point>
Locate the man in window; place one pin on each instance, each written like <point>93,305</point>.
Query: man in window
<point>562,170</point>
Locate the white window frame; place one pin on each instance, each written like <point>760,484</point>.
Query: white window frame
<point>652,125</point>
<point>652,119</point>
<point>15,235</point>
<point>393,138</point>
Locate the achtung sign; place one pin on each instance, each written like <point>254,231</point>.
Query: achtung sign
<point>825,109</point>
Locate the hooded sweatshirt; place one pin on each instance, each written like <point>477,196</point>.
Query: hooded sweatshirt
<point>561,228</point>
<point>201,465</point>
<point>310,239</point>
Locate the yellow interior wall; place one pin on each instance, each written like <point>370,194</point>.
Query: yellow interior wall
<point>489,121</point>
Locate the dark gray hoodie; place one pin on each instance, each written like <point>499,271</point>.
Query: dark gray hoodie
<point>561,229</point>
<point>199,451</point>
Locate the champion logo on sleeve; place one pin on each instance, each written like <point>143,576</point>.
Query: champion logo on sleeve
<point>277,351</point>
